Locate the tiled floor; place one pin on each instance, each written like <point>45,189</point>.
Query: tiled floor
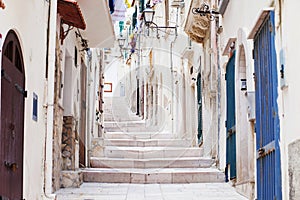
<point>193,191</point>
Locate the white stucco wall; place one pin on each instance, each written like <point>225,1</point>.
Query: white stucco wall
<point>31,29</point>
<point>114,73</point>
<point>288,100</point>
<point>290,46</point>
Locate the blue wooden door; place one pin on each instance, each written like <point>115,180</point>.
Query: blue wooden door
<point>230,120</point>
<point>267,121</point>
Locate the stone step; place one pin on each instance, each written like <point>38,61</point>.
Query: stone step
<point>150,152</point>
<point>132,129</point>
<point>183,162</point>
<point>110,117</point>
<point>147,142</point>
<point>120,119</point>
<point>136,123</point>
<point>138,135</point>
<point>161,175</point>
<point>125,124</point>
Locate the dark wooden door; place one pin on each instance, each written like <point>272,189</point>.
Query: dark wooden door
<point>82,133</point>
<point>267,119</point>
<point>12,119</point>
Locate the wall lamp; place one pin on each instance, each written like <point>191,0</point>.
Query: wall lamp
<point>148,14</point>
<point>204,10</point>
<point>121,41</point>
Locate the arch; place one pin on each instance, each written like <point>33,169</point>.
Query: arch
<point>244,127</point>
<point>12,118</point>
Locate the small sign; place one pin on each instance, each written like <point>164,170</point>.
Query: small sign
<point>35,107</point>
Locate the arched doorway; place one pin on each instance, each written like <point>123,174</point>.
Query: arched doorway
<point>244,122</point>
<point>12,119</point>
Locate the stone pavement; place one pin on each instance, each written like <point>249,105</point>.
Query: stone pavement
<point>125,191</point>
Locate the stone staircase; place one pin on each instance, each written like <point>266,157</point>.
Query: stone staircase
<point>130,152</point>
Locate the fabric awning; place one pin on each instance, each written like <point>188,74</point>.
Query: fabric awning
<point>99,28</point>
<point>70,13</point>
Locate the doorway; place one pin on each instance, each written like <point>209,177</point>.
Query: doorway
<point>267,119</point>
<point>12,119</point>
<point>82,134</point>
<point>230,120</point>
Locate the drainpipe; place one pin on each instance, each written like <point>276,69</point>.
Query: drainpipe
<point>50,67</point>
<point>138,76</point>
<point>218,96</point>
<point>172,72</point>
<point>172,85</point>
<point>94,88</point>
<point>89,130</point>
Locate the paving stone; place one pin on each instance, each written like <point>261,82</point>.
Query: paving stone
<point>100,191</point>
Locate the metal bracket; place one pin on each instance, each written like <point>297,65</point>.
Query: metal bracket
<point>21,90</point>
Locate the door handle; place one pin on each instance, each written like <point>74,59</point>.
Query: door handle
<point>261,151</point>
<point>12,166</point>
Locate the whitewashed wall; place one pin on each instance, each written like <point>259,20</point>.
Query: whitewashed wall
<point>289,95</point>
<point>31,30</point>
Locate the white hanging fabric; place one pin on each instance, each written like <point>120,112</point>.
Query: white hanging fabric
<point>120,11</point>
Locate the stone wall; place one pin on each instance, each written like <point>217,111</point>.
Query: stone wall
<point>68,143</point>
<point>57,158</point>
<point>71,179</point>
<point>58,120</point>
<point>294,170</point>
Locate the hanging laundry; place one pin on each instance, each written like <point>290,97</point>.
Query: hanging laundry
<point>128,4</point>
<point>134,16</point>
<point>120,10</point>
<point>132,42</point>
<point>133,2</point>
<point>142,5</point>
<point>121,27</point>
<point>111,6</point>
<point>156,1</point>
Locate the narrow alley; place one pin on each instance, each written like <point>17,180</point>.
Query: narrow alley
<point>149,99</point>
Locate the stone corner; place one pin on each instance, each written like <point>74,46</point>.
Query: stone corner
<point>71,179</point>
